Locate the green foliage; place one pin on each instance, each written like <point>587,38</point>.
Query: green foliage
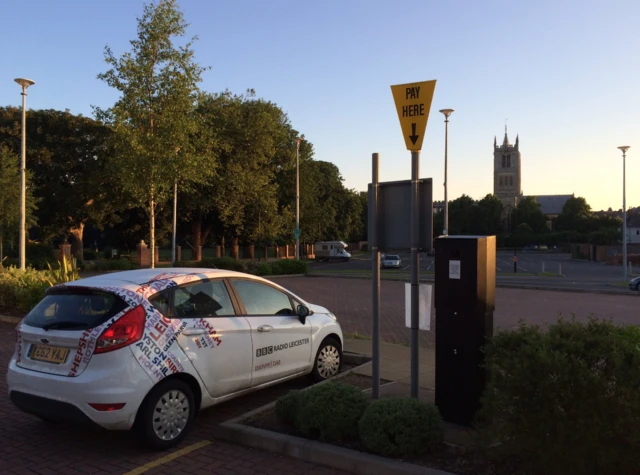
<point>21,290</point>
<point>575,215</point>
<point>399,427</point>
<point>66,271</point>
<point>157,139</point>
<point>227,263</point>
<point>112,264</point>
<point>331,411</point>
<point>10,191</point>
<point>288,267</point>
<point>528,212</point>
<point>264,269</point>
<point>287,406</point>
<point>565,401</point>
<point>89,255</point>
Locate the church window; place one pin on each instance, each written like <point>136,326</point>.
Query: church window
<point>501,181</point>
<point>511,180</point>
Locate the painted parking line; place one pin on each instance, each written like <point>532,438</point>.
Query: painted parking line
<point>168,458</point>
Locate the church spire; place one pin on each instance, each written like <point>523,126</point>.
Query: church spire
<point>505,142</point>
<point>517,141</point>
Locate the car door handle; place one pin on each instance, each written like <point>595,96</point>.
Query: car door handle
<point>265,328</point>
<point>194,331</point>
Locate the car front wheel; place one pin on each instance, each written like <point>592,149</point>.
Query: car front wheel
<point>167,414</point>
<point>328,361</point>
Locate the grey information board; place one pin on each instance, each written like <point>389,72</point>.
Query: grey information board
<point>394,215</point>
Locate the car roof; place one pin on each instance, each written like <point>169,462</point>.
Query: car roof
<point>144,276</point>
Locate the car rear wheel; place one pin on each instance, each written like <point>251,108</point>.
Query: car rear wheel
<point>328,361</point>
<point>167,414</point>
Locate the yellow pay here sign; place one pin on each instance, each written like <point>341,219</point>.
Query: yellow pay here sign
<point>413,102</point>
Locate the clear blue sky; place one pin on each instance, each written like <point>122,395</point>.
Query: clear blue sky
<point>564,73</point>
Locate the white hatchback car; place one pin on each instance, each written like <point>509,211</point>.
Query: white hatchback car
<point>149,348</point>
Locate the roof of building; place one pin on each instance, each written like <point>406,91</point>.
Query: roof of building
<point>552,204</point>
<point>633,221</point>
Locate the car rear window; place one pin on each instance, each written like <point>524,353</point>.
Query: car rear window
<point>74,309</point>
<point>392,258</point>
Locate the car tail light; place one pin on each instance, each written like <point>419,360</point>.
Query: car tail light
<point>107,407</point>
<point>126,330</point>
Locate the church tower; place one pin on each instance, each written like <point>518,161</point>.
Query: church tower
<point>507,183</point>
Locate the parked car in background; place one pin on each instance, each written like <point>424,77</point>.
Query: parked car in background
<point>390,261</point>
<point>147,349</point>
<point>634,284</point>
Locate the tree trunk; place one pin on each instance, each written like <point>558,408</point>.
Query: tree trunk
<point>205,233</point>
<point>1,249</point>
<point>76,241</point>
<point>196,231</point>
<point>152,234</point>
<point>234,248</point>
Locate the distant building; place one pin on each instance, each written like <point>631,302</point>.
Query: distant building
<point>633,229</point>
<point>507,180</point>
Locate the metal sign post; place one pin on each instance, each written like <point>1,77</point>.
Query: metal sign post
<point>413,103</point>
<point>375,278</point>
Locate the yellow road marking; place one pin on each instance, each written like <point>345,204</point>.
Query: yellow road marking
<point>168,458</point>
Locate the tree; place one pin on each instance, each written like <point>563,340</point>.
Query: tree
<point>528,212</point>
<point>154,123</point>
<point>490,209</point>
<point>10,197</point>
<point>461,215</point>
<point>575,215</point>
<point>66,155</point>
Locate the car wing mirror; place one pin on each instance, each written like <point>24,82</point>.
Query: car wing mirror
<point>303,313</point>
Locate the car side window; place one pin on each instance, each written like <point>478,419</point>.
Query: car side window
<point>261,299</point>
<point>204,298</point>
<point>162,303</point>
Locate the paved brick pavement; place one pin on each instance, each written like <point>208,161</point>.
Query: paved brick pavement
<point>29,445</point>
<point>350,300</point>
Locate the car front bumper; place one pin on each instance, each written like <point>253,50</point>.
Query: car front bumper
<point>109,379</point>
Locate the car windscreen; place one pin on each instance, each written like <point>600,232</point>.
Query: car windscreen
<point>392,258</point>
<point>74,309</point>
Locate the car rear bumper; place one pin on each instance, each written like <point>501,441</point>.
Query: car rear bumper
<point>109,379</point>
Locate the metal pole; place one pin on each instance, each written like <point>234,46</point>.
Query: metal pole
<point>445,232</point>
<point>23,183</point>
<point>624,215</point>
<point>515,227</point>
<point>375,278</point>
<point>175,223</point>
<point>415,263</point>
<point>297,198</point>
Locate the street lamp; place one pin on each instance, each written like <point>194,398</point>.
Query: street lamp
<point>624,149</point>
<point>24,83</point>
<point>447,113</point>
<point>297,230</point>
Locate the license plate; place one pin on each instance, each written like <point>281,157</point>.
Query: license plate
<point>50,354</point>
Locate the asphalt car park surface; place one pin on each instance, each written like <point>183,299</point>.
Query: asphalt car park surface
<point>29,445</point>
<point>575,274</point>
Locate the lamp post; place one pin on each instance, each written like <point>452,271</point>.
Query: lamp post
<point>447,113</point>
<point>24,83</point>
<point>297,231</point>
<point>624,149</point>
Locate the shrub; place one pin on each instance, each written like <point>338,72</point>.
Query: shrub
<point>401,427</point>
<point>227,263</point>
<point>113,264</point>
<point>263,269</point>
<point>288,266</point>
<point>89,255</point>
<point>40,252</point>
<point>21,290</point>
<point>565,401</point>
<point>330,411</point>
<point>287,406</point>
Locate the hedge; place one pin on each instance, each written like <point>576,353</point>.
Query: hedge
<point>566,400</point>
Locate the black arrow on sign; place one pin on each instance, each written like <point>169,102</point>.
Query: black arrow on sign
<point>413,135</point>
